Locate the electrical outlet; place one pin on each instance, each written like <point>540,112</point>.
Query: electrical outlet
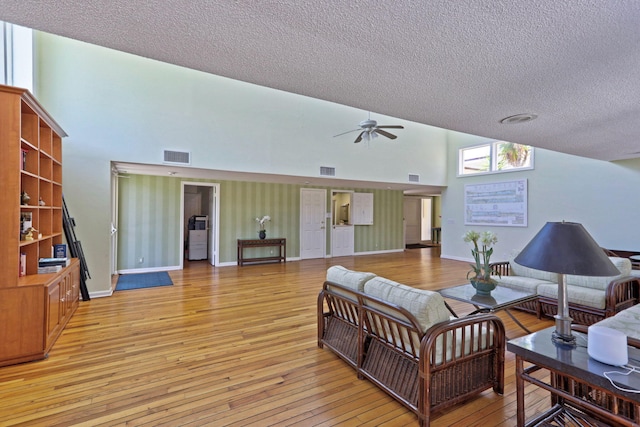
<point>141,260</point>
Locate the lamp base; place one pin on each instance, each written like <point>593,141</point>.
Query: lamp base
<point>558,338</point>
<point>562,334</point>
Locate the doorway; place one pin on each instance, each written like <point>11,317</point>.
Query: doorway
<point>418,220</point>
<point>342,230</point>
<point>313,233</point>
<point>200,219</point>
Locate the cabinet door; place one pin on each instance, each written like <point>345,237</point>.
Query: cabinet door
<point>54,311</point>
<point>21,320</point>
<point>362,211</point>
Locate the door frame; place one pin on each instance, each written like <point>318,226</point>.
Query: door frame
<point>214,221</point>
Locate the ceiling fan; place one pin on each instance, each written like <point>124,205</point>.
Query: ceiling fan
<point>369,129</point>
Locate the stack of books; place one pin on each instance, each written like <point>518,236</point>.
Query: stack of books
<point>51,265</point>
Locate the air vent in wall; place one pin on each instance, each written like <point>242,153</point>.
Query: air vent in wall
<point>177,157</point>
<point>414,178</point>
<point>327,171</point>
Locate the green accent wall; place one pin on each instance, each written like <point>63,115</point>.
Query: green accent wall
<point>149,219</point>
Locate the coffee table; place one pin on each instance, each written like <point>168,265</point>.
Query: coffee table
<point>501,299</point>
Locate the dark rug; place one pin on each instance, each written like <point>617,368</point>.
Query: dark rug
<point>420,245</point>
<point>143,280</point>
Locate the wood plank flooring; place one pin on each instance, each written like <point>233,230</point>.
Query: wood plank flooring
<point>231,346</point>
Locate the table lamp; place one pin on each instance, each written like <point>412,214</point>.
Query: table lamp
<point>565,248</point>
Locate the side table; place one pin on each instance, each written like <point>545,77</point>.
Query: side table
<point>578,386</point>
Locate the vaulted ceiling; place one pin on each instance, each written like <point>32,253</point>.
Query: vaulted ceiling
<point>463,65</point>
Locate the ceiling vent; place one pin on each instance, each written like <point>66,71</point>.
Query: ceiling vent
<point>414,177</point>
<point>177,157</point>
<point>327,171</point>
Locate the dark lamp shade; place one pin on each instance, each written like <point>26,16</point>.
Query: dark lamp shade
<point>566,248</point>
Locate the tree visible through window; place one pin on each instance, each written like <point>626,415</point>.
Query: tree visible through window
<point>512,156</point>
<point>494,157</point>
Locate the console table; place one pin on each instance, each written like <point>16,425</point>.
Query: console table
<point>280,243</point>
<point>578,386</point>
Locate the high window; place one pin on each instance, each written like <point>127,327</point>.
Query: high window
<point>494,157</point>
<point>16,56</point>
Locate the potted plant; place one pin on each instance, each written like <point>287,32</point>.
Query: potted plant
<point>262,233</point>
<point>481,271</point>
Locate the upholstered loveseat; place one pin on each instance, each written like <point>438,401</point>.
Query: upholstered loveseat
<point>404,341</point>
<point>591,299</point>
<point>626,321</point>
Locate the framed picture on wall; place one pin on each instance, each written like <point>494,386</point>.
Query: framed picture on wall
<point>498,204</point>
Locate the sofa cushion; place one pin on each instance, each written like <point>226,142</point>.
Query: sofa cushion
<point>516,269</point>
<point>626,321</point>
<point>353,280</point>
<point>521,283</point>
<point>576,295</point>
<point>601,282</point>
<point>426,306</point>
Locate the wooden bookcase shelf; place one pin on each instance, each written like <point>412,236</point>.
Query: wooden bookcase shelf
<point>34,308</point>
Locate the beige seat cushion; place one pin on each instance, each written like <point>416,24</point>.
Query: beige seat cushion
<point>601,282</point>
<point>521,283</point>
<point>426,306</point>
<point>627,321</point>
<point>353,280</point>
<point>516,269</point>
<point>576,294</point>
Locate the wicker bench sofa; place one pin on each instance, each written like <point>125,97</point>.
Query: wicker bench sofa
<point>591,299</point>
<point>404,341</point>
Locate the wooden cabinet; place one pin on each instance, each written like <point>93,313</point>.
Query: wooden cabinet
<point>362,209</point>
<point>31,198</point>
<point>62,297</point>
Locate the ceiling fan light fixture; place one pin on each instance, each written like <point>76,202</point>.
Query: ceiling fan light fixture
<point>518,118</point>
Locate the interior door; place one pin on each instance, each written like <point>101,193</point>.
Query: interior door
<point>313,232</point>
<point>412,220</point>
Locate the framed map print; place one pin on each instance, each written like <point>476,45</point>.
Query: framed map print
<point>498,204</point>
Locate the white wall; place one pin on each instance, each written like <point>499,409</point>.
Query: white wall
<point>602,196</point>
<point>122,107</point>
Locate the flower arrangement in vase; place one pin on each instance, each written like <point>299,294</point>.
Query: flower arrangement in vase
<point>482,271</point>
<point>262,233</point>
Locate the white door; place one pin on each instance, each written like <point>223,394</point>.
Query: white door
<point>426,220</point>
<point>342,240</point>
<point>313,204</point>
<point>412,220</point>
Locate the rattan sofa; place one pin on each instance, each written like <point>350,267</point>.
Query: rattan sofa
<point>404,341</point>
<point>591,299</point>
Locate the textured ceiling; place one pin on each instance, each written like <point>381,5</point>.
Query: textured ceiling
<point>460,65</point>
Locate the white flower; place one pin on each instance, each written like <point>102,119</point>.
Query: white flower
<point>262,220</point>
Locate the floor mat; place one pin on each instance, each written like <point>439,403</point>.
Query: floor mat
<point>143,280</point>
<point>420,245</point>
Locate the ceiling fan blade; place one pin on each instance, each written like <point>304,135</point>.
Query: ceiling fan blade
<point>344,133</point>
<point>385,133</point>
<point>390,127</point>
<point>359,138</point>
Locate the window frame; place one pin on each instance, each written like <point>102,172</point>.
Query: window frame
<point>493,159</point>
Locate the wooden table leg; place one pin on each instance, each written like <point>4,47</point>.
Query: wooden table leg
<point>520,391</point>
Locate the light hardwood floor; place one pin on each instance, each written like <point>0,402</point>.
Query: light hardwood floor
<point>231,346</point>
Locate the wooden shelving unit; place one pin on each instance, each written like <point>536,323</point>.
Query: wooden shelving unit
<point>34,308</point>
